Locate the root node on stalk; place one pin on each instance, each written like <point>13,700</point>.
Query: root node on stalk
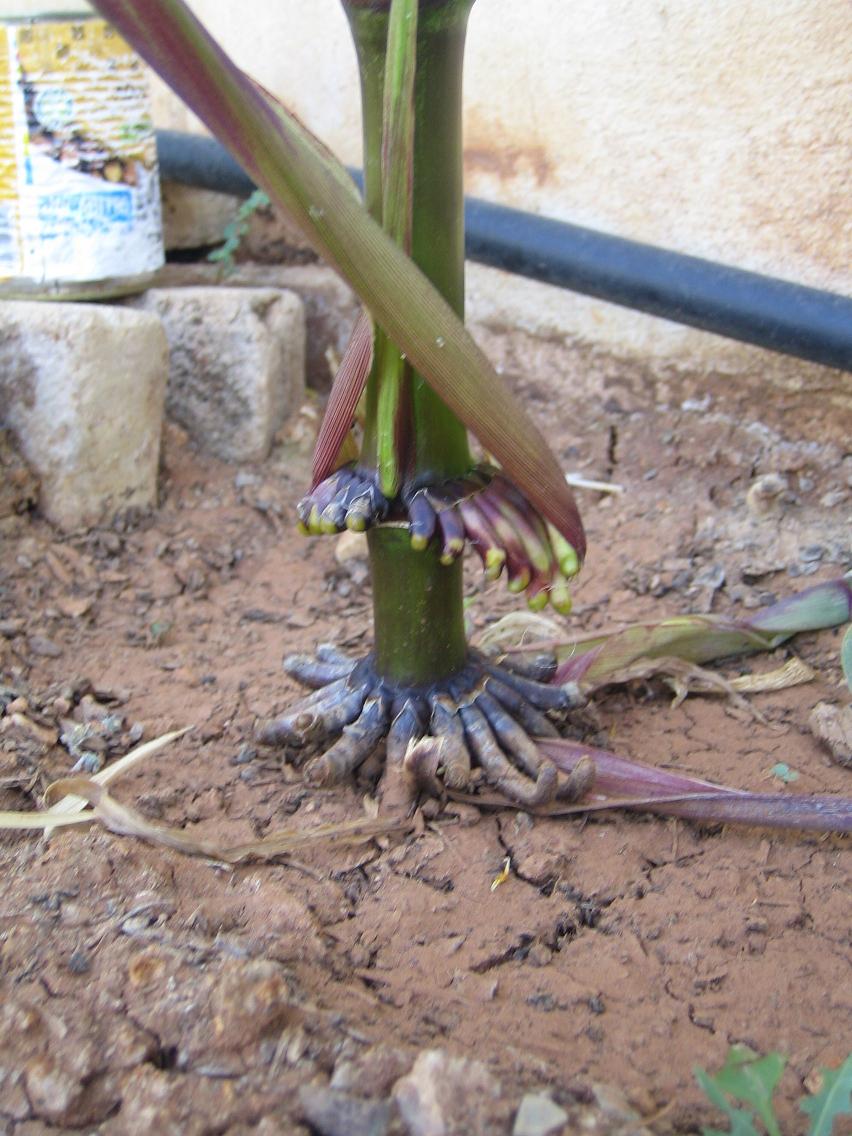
<point>483,508</point>
<point>476,725</point>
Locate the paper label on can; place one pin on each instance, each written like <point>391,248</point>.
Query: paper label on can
<point>79,191</point>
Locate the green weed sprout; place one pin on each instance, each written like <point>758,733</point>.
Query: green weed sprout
<point>751,1080</point>
<point>235,233</point>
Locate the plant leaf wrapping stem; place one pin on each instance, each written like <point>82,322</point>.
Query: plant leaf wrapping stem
<point>425,204</point>
<point>392,373</point>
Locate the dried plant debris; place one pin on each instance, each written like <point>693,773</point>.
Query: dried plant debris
<point>126,821</point>
<point>833,726</point>
<point>66,804</point>
<point>67,808</point>
<point>82,719</point>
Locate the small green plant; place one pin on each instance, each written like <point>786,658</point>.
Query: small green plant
<point>846,656</point>
<point>748,1079</point>
<point>237,230</point>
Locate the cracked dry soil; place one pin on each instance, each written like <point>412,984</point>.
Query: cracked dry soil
<point>146,991</point>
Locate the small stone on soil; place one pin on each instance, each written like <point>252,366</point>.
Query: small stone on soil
<point>538,1115</point>
<point>79,963</point>
<point>41,645</point>
<point>448,1096</point>
<point>333,1113</point>
<point>812,553</point>
<point>833,726</point>
<point>373,1072</point>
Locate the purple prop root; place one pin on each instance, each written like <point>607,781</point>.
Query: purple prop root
<point>478,724</point>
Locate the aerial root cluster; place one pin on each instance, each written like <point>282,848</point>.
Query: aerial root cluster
<point>482,508</point>
<point>477,724</point>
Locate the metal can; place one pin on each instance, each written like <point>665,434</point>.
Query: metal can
<point>79,187</point>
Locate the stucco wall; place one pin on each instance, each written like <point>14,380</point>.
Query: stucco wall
<point>720,129</point>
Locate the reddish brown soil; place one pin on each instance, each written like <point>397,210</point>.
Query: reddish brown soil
<point>145,991</point>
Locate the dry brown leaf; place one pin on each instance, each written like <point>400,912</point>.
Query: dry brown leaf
<point>684,678</point>
<point>75,606</point>
<point>115,769</point>
<point>793,673</point>
<point>833,726</point>
<point>125,821</point>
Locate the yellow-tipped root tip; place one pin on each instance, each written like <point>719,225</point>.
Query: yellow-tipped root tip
<point>569,565</point>
<point>314,522</point>
<point>452,551</point>
<point>566,554</point>
<point>560,598</point>
<point>519,583</point>
<point>495,559</point>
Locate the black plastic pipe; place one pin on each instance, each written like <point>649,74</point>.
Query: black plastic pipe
<point>775,314</point>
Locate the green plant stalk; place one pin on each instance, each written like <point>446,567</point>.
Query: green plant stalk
<point>418,611</point>
<point>390,395</point>
<point>417,601</point>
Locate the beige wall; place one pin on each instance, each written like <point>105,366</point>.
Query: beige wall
<point>723,129</point>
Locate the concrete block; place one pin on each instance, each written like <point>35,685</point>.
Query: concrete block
<point>195,218</point>
<point>236,364</point>
<point>272,238</point>
<point>331,307</point>
<point>82,388</point>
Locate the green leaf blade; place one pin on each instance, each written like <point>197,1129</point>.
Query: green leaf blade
<point>822,605</point>
<point>833,1100</point>
<point>750,1079</point>
<point>742,1123</point>
<point>702,638</point>
<point>753,1079</point>
<point>846,656</point>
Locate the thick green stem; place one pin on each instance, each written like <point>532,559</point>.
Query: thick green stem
<point>417,609</point>
<point>418,615</point>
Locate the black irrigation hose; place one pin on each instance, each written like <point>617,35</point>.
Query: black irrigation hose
<point>775,314</point>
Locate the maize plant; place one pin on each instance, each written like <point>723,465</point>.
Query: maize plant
<point>446,713</point>
<point>414,487</point>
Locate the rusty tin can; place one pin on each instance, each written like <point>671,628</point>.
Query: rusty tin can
<point>79,187</point>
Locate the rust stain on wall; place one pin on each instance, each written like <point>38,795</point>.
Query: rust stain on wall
<point>507,162</point>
